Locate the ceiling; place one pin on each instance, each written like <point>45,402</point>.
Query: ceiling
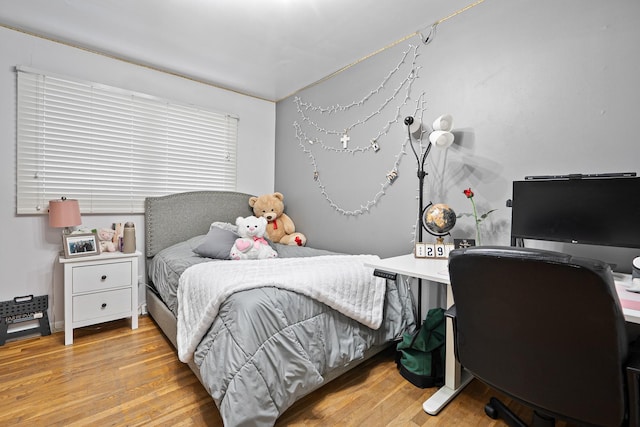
<point>264,48</point>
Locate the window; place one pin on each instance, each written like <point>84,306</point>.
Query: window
<point>110,148</point>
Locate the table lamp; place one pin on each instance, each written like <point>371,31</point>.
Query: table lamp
<point>64,213</point>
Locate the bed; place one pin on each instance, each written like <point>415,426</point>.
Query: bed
<point>255,340</point>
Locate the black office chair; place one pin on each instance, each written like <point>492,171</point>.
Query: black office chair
<point>546,329</point>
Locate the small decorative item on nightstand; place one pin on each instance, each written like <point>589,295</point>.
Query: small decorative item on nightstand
<point>81,244</point>
<point>129,238</point>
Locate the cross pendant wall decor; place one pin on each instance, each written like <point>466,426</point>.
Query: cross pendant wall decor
<point>345,139</point>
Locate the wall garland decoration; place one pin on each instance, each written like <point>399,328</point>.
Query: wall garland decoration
<point>390,176</point>
<point>338,108</point>
<point>308,143</point>
<point>304,108</point>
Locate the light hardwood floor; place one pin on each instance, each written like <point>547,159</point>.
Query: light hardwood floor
<point>113,376</point>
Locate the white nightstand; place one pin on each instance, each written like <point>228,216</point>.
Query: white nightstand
<point>98,289</point>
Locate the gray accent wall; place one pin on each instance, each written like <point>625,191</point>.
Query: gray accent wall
<point>536,87</point>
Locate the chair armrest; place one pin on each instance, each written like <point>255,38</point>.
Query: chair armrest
<point>633,388</point>
<point>451,312</point>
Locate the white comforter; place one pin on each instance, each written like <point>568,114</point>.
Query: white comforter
<point>340,281</point>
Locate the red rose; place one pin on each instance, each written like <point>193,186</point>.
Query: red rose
<point>468,193</point>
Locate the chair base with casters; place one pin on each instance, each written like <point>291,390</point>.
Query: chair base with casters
<point>497,410</point>
<point>556,322</point>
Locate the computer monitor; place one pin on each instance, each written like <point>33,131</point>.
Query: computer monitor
<point>595,210</point>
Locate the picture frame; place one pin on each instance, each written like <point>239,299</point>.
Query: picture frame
<point>80,244</point>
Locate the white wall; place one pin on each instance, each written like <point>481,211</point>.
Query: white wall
<point>29,249</point>
<point>536,87</point>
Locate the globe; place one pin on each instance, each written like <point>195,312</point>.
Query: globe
<point>439,219</point>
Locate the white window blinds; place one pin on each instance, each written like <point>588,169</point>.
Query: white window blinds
<point>109,148</point>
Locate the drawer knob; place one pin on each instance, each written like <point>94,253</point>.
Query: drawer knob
<point>104,277</point>
<point>104,305</point>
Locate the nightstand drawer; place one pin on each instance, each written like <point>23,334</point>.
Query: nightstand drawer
<point>102,304</point>
<point>91,278</point>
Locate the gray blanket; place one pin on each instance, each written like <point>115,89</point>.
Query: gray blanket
<point>269,347</point>
<point>168,265</point>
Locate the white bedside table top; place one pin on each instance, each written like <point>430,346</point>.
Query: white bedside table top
<point>103,256</point>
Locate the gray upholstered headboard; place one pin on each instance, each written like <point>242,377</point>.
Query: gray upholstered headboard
<point>177,217</point>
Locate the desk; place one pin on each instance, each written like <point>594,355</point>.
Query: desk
<point>437,270</point>
<point>630,301</point>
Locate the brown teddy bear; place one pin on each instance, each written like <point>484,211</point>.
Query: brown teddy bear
<point>280,228</point>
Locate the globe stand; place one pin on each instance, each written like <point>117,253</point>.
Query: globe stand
<point>439,249</point>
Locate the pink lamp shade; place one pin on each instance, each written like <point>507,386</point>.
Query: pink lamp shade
<point>64,213</point>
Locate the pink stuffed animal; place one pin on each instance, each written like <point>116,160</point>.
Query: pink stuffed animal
<point>105,237</point>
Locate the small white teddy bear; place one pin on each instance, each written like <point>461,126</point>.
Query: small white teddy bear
<point>105,236</point>
<point>251,244</point>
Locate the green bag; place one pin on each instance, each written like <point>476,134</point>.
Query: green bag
<point>420,356</point>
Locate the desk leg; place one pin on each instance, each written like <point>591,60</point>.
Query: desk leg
<point>455,378</point>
